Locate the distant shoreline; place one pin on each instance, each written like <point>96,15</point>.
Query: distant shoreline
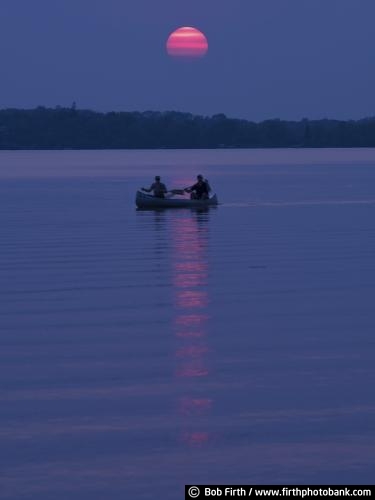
<point>260,148</point>
<point>72,129</point>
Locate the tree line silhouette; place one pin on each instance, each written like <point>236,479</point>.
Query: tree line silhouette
<point>69,128</point>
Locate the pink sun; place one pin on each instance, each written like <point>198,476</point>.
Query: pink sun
<point>187,42</point>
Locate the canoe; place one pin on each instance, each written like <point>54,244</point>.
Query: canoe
<point>143,200</point>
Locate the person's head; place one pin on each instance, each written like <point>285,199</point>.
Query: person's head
<point>200,178</point>
<point>157,178</point>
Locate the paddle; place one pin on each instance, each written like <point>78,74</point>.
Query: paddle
<point>170,193</point>
<point>177,191</point>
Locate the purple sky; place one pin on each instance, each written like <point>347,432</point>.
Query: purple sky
<point>267,58</point>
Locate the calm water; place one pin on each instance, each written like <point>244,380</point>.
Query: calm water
<point>143,350</point>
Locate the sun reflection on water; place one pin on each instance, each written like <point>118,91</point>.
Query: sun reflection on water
<point>191,301</point>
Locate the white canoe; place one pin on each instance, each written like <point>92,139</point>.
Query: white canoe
<point>143,200</point>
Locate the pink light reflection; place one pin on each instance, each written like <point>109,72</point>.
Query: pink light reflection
<point>192,371</point>
<point>185,280</point>
<point>189,299</point>
<point>190,276</point>
<point>192,266</point>
<point>191,319</point>
<point>191,351</point>
<point>191,334</point>
<point>189,406</point>
<point>196,438</point>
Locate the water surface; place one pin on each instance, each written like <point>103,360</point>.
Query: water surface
<point>144,350</point>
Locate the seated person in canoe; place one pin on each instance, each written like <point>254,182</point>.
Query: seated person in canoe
<point>159,189</point>
<point>200,190</point>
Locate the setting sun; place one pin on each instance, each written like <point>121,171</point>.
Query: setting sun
<point>187,42</point>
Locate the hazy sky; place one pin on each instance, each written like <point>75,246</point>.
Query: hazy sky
<point>266,58</point>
